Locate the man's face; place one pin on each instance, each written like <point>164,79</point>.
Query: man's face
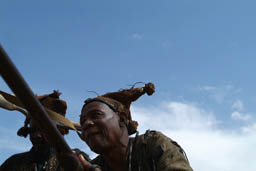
<point>36,137</point>
<point>100,127</point>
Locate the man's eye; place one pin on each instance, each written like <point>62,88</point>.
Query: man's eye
<point>98,113</point>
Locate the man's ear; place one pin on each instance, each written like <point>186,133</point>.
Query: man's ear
<point>63,130</point>
<point>122,124</point>
<point>122,120</point>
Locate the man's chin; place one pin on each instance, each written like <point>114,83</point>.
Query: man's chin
<point>39,145</point>
<point>97,150</point>
<point>99,147</point>
<point>95,145</point>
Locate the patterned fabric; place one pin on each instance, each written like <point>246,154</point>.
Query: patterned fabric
<point>28,161</point>
<point>153,151</point>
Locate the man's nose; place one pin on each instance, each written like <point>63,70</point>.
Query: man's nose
<point>88,123</point>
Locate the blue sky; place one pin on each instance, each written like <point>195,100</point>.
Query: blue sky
<point>200,55</point>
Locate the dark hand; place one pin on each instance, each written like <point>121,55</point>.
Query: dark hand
<point>69,162</point>
<point>87,165</point>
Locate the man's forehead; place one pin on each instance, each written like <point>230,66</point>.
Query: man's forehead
<point>95,105</point>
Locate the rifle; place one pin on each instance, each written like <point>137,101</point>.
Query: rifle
<point>10,102</point>
<point>17,84</point>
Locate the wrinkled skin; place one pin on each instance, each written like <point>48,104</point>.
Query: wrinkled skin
<point>100,127</point>
<point>105,134</point>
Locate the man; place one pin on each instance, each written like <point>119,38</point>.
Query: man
<point>106,126</point>
<point>41,157</point>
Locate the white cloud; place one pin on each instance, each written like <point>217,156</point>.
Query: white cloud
<point>176,115</point>
<point>220,93</point>
<point>207,88</point>
<point>249,129</point>
<point>208,147</point>
<point>240,116</point>
<point>167,44</point>
<point>137,36</point>
<point>238,105</point>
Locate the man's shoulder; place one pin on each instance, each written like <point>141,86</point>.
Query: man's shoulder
<point>156,143</point>
<point>18,156</point>
<point>153,137</point>
<point>157,146</point>
<point>15,160</point>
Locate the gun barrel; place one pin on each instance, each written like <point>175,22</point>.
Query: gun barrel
<point>17,84</point>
